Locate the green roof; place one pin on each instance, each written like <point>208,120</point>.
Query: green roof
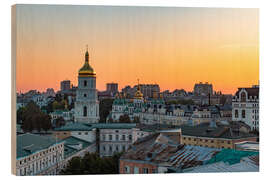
<point>75,127</point>
<point>30,143</point>
<point>230,156</point>
<point>69,142</point>
<point>114,125</point>
<point>89,127</point>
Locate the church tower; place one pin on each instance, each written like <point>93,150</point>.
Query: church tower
<point>86,104</point>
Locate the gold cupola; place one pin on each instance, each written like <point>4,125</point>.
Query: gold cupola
<point>138,94</point>
<point>87,70</point>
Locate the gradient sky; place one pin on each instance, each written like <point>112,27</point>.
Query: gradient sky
<point>173,47</point>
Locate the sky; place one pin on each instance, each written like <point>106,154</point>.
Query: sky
<point>171,46</point>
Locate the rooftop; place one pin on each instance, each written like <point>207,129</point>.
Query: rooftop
<point>159,148</point>
<point>88,127</point>
<point>30,143</point>
<point>71,145</point>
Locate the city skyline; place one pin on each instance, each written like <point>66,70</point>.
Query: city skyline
<point>172,47</point>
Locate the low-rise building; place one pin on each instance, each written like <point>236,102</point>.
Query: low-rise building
<point>216,135</point>
<point>162,152</point>
<point>37,155</point>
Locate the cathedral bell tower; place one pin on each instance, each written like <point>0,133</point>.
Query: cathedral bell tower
<point>86,104</point>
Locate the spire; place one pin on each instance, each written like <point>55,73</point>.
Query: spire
<point>138,87</point>
<point>86,54</point>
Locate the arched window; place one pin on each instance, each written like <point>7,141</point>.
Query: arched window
<point>84,111</point>
<point>243,97</point>
<point>243,114</point>
<point>236,113</point>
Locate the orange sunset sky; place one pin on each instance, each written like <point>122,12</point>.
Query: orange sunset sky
<point>173,47</point>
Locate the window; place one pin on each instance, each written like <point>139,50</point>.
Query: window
<point>127,169</point>
<point>130,137</point>
<point>145,170</point>
<point>84,111</point>
<point>84,95</point>
<point>205,140</point>
<point>236,113</point>
<point>86,133</point>
<point>123,137</point>
<point>136,170</point>
<point>243,97</point>
<point>117,137</point>
<point>79,133</point>
<point>110,148</point>
<point>243,114</point>
<point>117,148</point>
<point>110,137</point>
<point>212,141</point>
<point>85,83</point>
<point>229,142</point>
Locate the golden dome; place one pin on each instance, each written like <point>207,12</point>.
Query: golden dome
<point>87,70</point>
<point>138,94</point>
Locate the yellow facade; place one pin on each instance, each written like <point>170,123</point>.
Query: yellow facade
<point>207,142</point>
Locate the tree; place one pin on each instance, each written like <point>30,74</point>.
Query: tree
<point>136,119</point>
<point>93,164</point>
<point>105,106</point>
<point>20,113</point>
<point>34,119</point>
<point>124,119</point>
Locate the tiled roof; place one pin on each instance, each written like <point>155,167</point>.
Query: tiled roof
<point>204,130</point>
<point>160,149</point>
<point>250,91</point>
<point>30,143</point>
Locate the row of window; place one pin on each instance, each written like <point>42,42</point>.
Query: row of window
<point>236,115</point>
<point>204,140</point>
<point>136,170</point>
<point>115,148</point>
<point>116,137</point>
<point>40,165</point>
<point>40,154</point>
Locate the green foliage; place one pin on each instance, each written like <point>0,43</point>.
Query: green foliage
<point>34,119</point>
<point>92,164</point>
<point>105,106</point>
<point>136,119</point>
<point>124,119</point>
<point>20,113</point>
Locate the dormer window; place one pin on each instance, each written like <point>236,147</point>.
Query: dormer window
<point>243,97</point>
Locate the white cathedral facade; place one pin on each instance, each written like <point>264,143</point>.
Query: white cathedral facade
<point>86,104</point>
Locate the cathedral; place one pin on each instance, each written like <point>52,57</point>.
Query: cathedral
<point>86,104</point>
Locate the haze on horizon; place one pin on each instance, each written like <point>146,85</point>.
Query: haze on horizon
<point>171,46</point>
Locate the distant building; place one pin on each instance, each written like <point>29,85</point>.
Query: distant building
<point>65,85</point>
<point>245,106</point>
<point>49,92</point>
<point>112,88</point>
<point>203,89</point>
